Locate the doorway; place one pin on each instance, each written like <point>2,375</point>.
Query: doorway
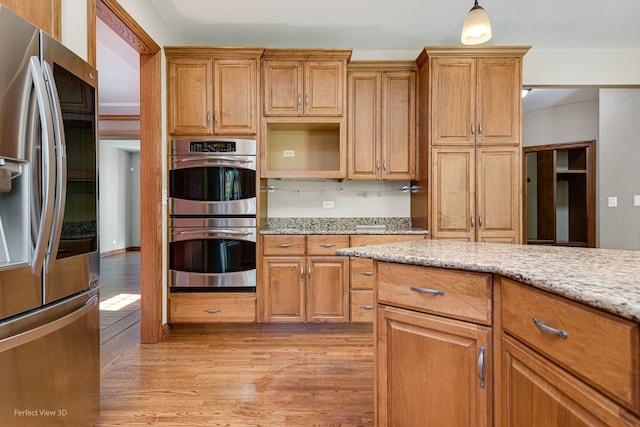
<point>112,14</point>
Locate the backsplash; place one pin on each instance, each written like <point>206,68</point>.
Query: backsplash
<point>351,199</point>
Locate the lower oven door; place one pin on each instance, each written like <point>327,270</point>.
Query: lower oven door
<point>212,259</point>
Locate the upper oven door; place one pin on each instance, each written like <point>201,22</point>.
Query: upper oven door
<point>212,183</point>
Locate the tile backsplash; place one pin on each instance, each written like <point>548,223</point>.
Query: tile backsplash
<point>351,199</point>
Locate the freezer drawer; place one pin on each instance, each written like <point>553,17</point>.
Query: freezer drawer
<point>50,365</point>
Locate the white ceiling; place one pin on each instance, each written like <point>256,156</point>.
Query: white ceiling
<point>400,24</point>
<point>369,25</point>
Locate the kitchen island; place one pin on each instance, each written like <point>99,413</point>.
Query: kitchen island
<point>509,335</point>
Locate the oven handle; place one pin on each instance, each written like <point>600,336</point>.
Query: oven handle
<point>207,159</point>
<point>214,232</point>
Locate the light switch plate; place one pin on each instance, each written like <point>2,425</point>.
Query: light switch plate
<point>636,200</point>
<point>612,202</point>
<point>288,153</point>
<point>328,204</point>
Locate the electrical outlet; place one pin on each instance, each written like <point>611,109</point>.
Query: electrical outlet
<point>288,153</point>
<point>612,202</point>
<point>328,204</point>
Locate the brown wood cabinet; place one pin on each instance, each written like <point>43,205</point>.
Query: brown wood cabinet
<point>476,100</point>
<point>362,277</point>
<point>304,82</point>
<point>381,120</point>
<point>432,370</point>
<point>45,14</point>
<point>312,286</point>
<point>207,307</point>
<point>470,109</point>
<point>578,364</point>
<point>476,194</point>
<point>212,91</point>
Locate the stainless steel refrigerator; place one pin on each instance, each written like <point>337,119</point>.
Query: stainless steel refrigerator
<point>49,259</point>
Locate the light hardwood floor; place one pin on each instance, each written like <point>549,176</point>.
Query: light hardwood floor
<point>237,375</point>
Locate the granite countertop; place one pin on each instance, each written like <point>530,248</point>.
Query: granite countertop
<point>606,279</point>
<point>340,226</point>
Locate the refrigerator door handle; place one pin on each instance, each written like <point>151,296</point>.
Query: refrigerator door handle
<point>61,166</point>
<point>48,328</point>
<point>47,146</point>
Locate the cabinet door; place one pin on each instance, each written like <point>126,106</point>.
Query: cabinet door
<point>453,193</point>
<point>235,97</point>
<point>190,96</point>
<point>398,125</point>
<point>284,296</point>
<point>498,197</point>
<point>432,371</point>
<point>498,110</point>
<point>45,14</point>
<point>282,87</point>
<point>364,104</point>
<point>535,392</point>
<point>327,289</point>
<point>324,87</point>
<point>453,101</point>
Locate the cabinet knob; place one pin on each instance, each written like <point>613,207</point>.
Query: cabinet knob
<point>327,245</point>
<point>212,310</point>
<point>473,129</point>
<point>366,307</point>
<point>367,273</point>
<point>299,100</point>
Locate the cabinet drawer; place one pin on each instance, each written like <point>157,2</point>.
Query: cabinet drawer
<point>212,308</point>
<point>458,294</point>
<point>600,348</point>
<point>378,239</point>
<point>361,270</point>
<point>362,306</point>
<point>326,244</point>
<point>283,244</point>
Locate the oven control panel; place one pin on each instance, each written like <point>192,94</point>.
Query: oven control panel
<point>212,146</point>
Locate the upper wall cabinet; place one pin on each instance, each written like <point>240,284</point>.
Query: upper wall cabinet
<point>304,82</point>
<point>476,98</point>
<point>212,91</point>
<point>381,120</point>
<point>45,14</point>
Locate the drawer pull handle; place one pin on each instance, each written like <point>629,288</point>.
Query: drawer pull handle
<point>212,310</point>
<point>481,366</point>
<point>549,329</point>
<point>366,307</point>
<point>284,245</point>
<point>327,245</point>
<point>367,273</point>
<point>426,291</point>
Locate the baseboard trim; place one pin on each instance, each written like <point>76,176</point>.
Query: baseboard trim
<point>120,251</point>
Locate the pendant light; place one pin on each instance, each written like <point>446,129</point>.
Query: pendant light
<point>477,27</point>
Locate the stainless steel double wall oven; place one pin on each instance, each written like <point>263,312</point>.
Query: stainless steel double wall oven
<point>212,207</point>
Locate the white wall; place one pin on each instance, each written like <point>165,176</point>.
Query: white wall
<point>114,197</point>
<point>352,199</point>
<point>119,198</point>
<point>618,171</point>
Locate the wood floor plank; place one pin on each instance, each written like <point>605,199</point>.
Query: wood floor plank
<point>239,375</point>
<point>249,375</point>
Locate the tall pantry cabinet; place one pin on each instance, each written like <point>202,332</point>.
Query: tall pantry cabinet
<point>470,139</point>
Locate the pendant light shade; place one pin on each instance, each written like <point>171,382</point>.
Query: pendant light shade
<point>477,27</point>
